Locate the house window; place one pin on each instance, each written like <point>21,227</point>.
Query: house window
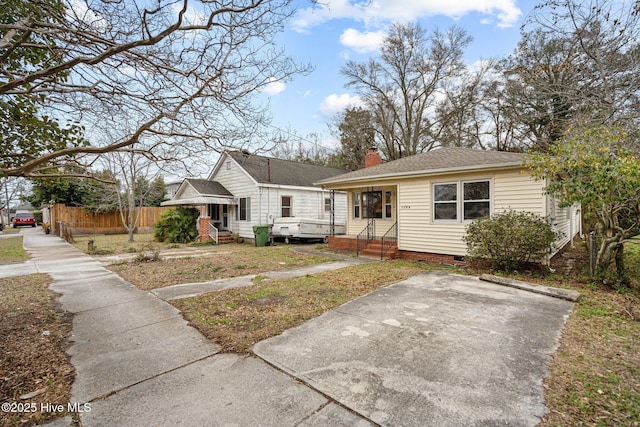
<point>286,206</point>
<point>387,204</point>
<point>372,204</point>
<point>476,202</point>
<point>475,197</point>
<point>445,202</point>
<point>327,206</point>
<point>244,209</point>
<point>356,205</point>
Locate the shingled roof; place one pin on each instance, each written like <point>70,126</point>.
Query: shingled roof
<point>208,188</point>
<point>448,159</point>
<point>267,170</point>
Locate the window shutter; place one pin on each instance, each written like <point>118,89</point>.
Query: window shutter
<point>248,208</point>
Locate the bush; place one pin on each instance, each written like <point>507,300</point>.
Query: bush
<point>510,240</point>
<point>177,226</point>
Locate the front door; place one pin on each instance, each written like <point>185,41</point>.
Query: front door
<point>225,217</point>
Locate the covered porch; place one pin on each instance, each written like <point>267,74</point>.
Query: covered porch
<point>372,226</point>
<point>215,204</point>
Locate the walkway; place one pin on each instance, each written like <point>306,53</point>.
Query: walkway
<point>436,349</point>
<point>128,345</point>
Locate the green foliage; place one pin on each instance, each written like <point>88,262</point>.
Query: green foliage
<point>177,226</point>
<point>600,169</point>
<point>357,135</point>
<point>510,240</point>
<point>72,191</point>
<point>150,193</point>
<point>26,134</point>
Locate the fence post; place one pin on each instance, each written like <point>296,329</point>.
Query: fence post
<point>592,253</point>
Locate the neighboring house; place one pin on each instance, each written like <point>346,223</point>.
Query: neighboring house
<point>424,202</point>
<point>244,190</point>
<point>172,188</point>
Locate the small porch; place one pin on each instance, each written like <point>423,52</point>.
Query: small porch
<point>214,222</point>
<point>368,243</point>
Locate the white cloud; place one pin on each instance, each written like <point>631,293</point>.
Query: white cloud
<point>368,41</point>
<point>274,87</point>
<point>334,104</point>
<point>506,12</point>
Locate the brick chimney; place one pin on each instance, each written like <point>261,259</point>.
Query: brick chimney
<point>372,158</point>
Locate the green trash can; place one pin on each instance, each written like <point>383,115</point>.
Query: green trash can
<point>261,234</point>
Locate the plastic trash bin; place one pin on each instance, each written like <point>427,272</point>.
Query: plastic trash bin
<point>261,234</point>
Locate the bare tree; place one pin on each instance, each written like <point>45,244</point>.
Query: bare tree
<point>97,76</point>
<point>403,86</point>
<point>130,188</point>
<point>11,188</point>
<point>578,62</point>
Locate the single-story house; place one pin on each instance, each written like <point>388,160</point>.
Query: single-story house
<point>245,189</point>
<point>420,205</point>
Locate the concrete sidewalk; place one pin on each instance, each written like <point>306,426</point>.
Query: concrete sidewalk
<point>138,362</point>
<point>436,349</point>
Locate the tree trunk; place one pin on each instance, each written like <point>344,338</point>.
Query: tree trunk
<point>621,269</point>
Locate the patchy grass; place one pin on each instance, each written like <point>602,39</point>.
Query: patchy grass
<point>238,318</point>
<point>33,361</point>
<point>221,262</point>
<point>596,371</point>
<point>11,250</point>
<point>119,244</point>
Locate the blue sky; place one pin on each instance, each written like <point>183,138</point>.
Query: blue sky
<point>329,34</point>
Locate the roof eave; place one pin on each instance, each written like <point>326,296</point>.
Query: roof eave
<point>430,172</point>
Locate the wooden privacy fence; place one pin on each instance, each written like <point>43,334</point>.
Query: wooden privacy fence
<point>81,221</point>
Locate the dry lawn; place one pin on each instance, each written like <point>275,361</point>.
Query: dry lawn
<point>221,262</point>
<point>595,374</point>
<point>119,244</point>
<point>33,358</point>
<point>238,318</point>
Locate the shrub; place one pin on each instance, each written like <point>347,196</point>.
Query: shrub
<point>510,240</point>
<point>177,226</point>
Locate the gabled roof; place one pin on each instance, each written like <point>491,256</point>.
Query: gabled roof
<point>209,192</point>
<point>443,160</point>
<point>208,188</point>
<point>268,170</point>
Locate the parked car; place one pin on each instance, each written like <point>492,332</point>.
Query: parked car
<point>24,218</point>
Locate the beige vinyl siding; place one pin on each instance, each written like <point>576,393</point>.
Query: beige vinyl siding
<point>419,232</point>
<point>518,191</point>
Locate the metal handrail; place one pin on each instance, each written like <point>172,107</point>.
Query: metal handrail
<point>389,239</point>
<point>370,233</point>
<point>213,232</point>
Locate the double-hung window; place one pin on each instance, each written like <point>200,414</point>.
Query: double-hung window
<point>286,206</point>
<point>243,213</point>
<point>445,201</point>
<point>476,200</point>
<point>464,200</point>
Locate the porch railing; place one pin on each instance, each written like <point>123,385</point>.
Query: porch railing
<point>366,236</point>
<point>213,232</point>
<point>389,239</point>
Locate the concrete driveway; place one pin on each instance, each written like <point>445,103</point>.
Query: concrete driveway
<point>435,350</point>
